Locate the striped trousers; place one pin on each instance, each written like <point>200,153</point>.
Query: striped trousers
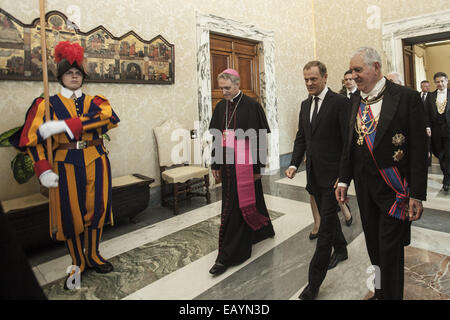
<point>83,249</point>
<point>83,198</point>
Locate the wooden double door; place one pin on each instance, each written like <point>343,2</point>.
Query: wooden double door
<point>238,54</point>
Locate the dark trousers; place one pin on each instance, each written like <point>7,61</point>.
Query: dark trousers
<point>385,236</point>
<point>430,154</point>
<point>330,235</point>
<point>444,160</point>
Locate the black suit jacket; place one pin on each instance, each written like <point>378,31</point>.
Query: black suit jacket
<point>356,93</point>
<point>439,127</point>
<point>402,112</point>
<point>427,116</point>
<point>324,143</point>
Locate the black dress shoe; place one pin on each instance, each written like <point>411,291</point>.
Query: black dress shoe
<point>309,293</point>
<point>218,268</point>
<point>313,236</point>
<point>336,258</point>
<point>107,267</point>
<point>445,187</point>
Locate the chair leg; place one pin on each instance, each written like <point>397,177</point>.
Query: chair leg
<point>208,195</point>
<point>162,193</point>
<point>175,198</point>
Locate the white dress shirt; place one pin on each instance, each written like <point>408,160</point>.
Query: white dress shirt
<point>376,107</point>
<point>321,97</point>
<point>349,92</point>
<point>423,95</point>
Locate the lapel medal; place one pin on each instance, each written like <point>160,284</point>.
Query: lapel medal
<point>398,155</point>
<point>398,139</point>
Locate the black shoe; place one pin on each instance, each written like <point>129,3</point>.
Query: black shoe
<point>336,258</point>
<point>218,268</point>
<point>313,236</point>
<point>107,267</point>
<point>445,187</point>
<point>309,293</point>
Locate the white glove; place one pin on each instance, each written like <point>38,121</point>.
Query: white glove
<point>49,179</point>
<point>53,127</point>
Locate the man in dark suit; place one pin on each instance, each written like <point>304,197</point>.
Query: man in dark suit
<point>438,107</point>
<point>322,130</point>
<point>386,156</point>
<point>425,89</point>
<point>350,85</point>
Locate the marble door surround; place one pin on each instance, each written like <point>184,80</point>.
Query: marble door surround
<point>395,31</point>
<point>211,23</point>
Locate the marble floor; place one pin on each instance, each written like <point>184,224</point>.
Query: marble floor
<point>165,257</point>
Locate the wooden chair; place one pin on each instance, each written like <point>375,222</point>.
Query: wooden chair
<point>180,179</point>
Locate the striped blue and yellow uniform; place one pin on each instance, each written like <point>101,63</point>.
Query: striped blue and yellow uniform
<point>83,201</point>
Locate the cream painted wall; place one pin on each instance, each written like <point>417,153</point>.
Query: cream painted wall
<point>437,60</point>
<point>343,26</point>
<point>142,107</point>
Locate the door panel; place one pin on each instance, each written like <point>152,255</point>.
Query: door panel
<point>237,54</point>
<point>408,66</point>
<point>219,61</point>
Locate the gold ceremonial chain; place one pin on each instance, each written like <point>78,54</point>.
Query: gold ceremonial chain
<point>441,106</point>
<point>227,123</point>
<point>363,126</point>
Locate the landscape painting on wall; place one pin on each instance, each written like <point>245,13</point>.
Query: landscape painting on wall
<point>127,59</point>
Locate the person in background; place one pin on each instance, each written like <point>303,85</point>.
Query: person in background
<point>438,107</point>
<point>394,77</point>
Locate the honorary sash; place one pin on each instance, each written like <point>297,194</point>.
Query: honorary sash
<point>245,180</point>
<point>390,175</point>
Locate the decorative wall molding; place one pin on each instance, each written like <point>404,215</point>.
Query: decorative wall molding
<point>395,31</point>
<point>212,23</point>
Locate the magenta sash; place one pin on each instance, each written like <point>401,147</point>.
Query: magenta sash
<point>245,181</point>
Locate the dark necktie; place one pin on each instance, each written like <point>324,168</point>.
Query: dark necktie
<point>423,96</point>
<point>316,108</point>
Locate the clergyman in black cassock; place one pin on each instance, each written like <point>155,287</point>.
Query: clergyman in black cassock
<point>238,111</point>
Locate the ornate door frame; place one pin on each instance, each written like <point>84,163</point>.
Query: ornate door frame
<point>395,31</point>
<point>211,23</point>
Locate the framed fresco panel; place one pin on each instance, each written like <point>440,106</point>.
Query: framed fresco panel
<point>125,59</point>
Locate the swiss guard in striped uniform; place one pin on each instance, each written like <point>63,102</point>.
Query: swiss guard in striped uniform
<point>81,172</point>
<point>386,156</point>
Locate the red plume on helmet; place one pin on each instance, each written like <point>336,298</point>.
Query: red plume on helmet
<point>68,55</point>
<point>69,51</point>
